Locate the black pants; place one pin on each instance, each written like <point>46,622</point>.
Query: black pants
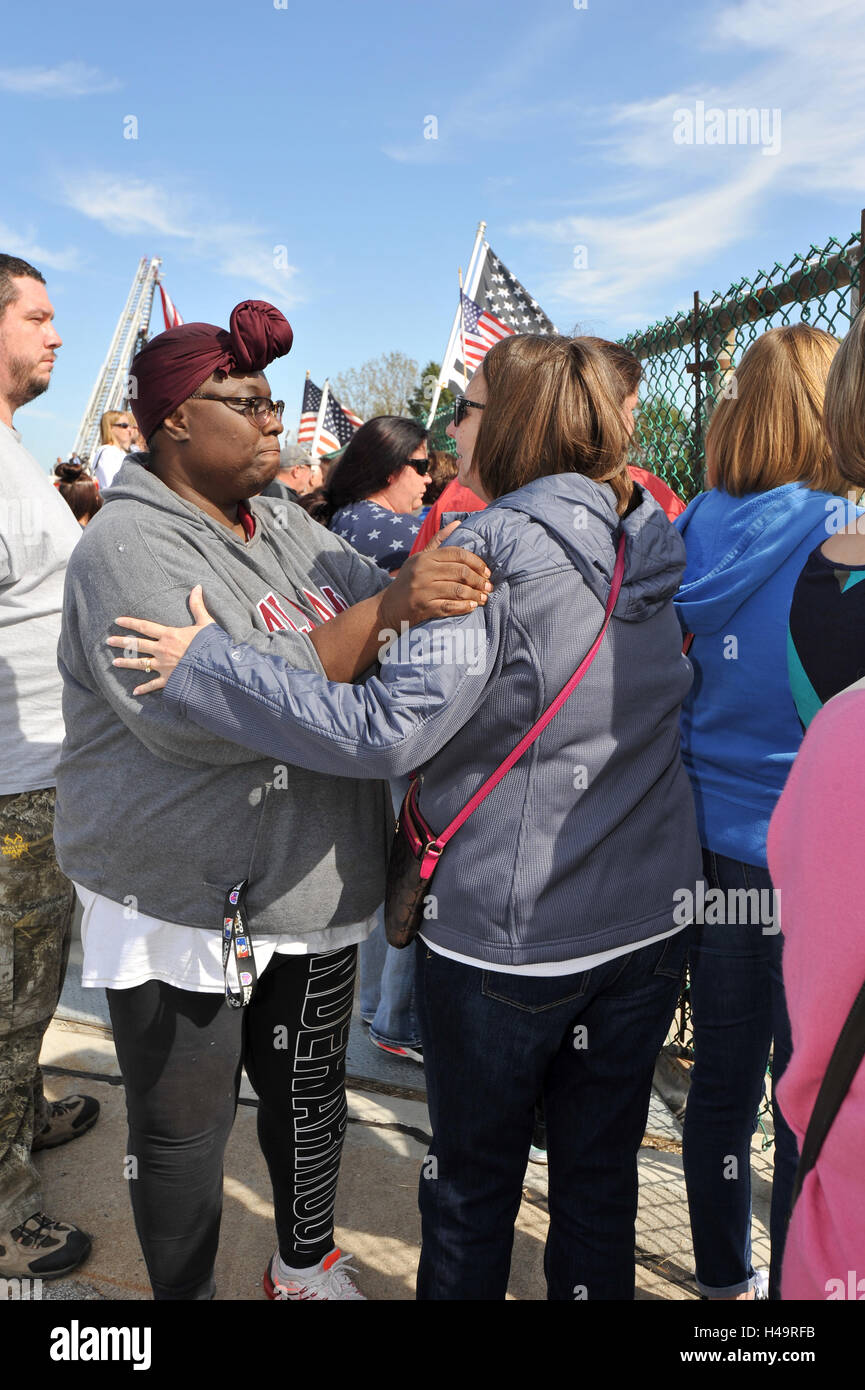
<point>181,1055</point>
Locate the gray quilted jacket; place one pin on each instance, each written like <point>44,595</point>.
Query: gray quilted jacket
<point>583,844</point>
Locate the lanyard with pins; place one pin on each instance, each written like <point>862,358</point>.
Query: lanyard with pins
<point>236,937</point>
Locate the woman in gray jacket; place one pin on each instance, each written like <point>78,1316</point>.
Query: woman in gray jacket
<point>200,864</point>
<point>552,956</point>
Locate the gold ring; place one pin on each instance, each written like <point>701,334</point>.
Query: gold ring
<point>147,666</point>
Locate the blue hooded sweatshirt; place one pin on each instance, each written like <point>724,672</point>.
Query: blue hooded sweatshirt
<point>740,731</point>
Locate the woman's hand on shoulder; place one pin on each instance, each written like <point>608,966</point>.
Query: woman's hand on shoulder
<point>159,648</point>
<point>437,583</point>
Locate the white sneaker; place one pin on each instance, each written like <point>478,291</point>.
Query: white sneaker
<point>761,1283</point>
<point>537,1155</point>
<point>326,1280</point>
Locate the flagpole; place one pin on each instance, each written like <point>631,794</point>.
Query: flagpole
<point>320,421</point>
<point>300,416</point>
<point>473,273</point>
<point>474,262</point>
<point>462,327</point>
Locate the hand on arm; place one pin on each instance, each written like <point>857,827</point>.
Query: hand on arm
<point>158,647</point>
<point>434,584</point>
<point>84,660</point>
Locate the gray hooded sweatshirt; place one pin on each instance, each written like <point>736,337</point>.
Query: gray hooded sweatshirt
<point>583,844</point>
<point>153,812</point>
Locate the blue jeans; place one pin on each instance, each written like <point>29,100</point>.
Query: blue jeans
<point>493,1044</point>
<point>387,990</point>
<point>738,1008</point>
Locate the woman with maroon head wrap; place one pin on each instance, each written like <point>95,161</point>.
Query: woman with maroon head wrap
<point>225,876</point>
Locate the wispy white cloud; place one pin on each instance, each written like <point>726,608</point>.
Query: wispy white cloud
<point>629,255</point>
<point>494,184</point>
<point>802,60</point>
<point>66,80</point>
<point>127,206</point>
<point>26,245</point>
<point>132,206</point>
<point>781,23</point>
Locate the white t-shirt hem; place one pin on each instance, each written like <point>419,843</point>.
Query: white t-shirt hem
<point>123,950</point>
<point>576,966</point>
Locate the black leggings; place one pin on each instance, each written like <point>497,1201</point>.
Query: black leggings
<point>181,1054</point>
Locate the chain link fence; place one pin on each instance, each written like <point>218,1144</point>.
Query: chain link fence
<point>689,359</point>
<point>437,437</point>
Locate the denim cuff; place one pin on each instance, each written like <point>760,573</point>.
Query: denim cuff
<point>392,1042</point>
<point>707,1291</point>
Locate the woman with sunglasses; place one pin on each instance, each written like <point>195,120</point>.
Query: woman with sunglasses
<point>115,436</point>
<point>371,498</point>
<point>223,876</point>
<point>551,954</point>
<point>377,486</point>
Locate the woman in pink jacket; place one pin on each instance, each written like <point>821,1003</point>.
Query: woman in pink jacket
<point>815,857</point>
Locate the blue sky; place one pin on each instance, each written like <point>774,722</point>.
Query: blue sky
<point>302,127</point>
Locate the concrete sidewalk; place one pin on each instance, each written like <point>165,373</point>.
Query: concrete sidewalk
<point>376,1210</point>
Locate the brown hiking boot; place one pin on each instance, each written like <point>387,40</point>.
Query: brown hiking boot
<point>42,1249</point>
<point>68,1119</point>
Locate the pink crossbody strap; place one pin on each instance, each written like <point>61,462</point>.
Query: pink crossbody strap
<point>549,713</point>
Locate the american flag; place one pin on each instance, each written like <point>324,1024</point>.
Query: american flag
<point>480,330</point>
<point>337,427</point>
<point>169,313</point>
<point>504,306</point>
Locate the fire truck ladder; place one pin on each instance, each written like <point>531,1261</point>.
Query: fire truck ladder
<point>111,389</point>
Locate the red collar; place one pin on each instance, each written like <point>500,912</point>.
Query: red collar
<point>246,519</point>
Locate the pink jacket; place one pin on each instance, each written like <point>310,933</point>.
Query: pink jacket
<point>816,861</point>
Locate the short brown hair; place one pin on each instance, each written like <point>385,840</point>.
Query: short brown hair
<point>844,407</point>
<point>13,268</point>
<point>442,468</point>
<point>553,407</point>
<point>629,367</point>
<point>770,431</point>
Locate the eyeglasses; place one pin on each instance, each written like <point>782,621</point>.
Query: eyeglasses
<point>461,405</point>
<point>122,427</point>
<point>420,466</point>
<point>257,408</point>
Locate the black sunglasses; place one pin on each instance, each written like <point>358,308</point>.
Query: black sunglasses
<point>461,405</point>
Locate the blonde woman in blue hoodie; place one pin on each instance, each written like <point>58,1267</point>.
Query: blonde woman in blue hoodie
<point>770,485</point>
<point>552,960</point>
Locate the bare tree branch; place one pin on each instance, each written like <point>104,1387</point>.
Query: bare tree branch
<point>381,386</point>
